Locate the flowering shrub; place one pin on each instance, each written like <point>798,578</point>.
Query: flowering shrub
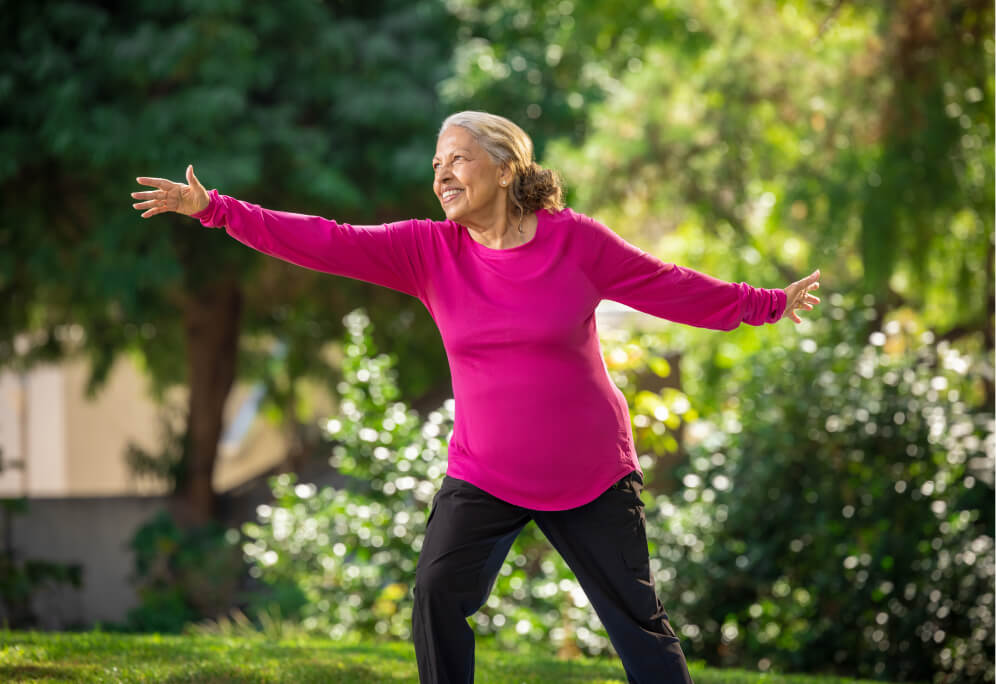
<point>840,514</point>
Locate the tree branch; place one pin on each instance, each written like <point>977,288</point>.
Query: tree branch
<point>825,24</point>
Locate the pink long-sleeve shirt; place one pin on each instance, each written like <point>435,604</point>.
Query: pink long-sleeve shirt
<point>538,421</point>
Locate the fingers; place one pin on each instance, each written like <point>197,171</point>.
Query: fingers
<point>160,183</point>
<point>800,297</point>
<point>809,282</point>
<point>155,202</point>
<point>153,211</point>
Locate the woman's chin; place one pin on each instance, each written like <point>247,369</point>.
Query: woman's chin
<point>452,213</point>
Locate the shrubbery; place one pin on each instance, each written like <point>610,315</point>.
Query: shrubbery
<point>181,575</point>
<point>349,555</point>
<point>837,514</point>
<point>843,516</point>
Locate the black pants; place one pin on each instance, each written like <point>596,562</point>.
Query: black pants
<point>604,542</point>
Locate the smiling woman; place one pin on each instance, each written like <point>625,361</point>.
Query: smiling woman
<point>512,279</point>
<point>486,179</point>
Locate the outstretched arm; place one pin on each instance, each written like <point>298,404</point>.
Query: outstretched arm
<point>624,273</point>
<point>386,254</point>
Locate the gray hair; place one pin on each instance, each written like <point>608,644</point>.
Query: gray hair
<point>533,187</point>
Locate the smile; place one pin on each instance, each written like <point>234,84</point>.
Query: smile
<point>450,194</point>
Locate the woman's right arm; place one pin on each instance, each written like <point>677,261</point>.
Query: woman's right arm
<point>387,254</point>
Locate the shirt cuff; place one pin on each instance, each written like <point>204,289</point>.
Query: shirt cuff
<point>764,305</point>
<point>212,215</point>
<point>777,305</point>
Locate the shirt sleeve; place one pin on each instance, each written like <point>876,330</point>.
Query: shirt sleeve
<point>386,254</point>
<point>625,273</point>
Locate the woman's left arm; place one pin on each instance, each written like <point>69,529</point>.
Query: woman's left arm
<point>625,273</point>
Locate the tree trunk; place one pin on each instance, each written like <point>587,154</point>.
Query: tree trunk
<point>211,323</point>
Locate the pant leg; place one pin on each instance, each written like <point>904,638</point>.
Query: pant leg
<point>605,544</point>
<point>467,537</point>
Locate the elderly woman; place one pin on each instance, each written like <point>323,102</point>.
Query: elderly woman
<point>512,279</point>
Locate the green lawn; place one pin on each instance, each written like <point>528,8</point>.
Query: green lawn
<point>108,657</point>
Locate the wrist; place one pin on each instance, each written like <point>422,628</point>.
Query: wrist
<point>208,209</point>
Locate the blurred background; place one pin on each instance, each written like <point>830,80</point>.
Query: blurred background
<point>194,436</point>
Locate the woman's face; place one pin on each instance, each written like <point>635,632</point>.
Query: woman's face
<point>467,182</point>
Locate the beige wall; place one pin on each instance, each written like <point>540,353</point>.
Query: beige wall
<point>46,472</point>
<point>75,446</point>
<point>100,429</point>
<point>11,432</point>
<point>33,431</point>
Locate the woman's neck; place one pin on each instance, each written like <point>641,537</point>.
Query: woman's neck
<point>510,232</point>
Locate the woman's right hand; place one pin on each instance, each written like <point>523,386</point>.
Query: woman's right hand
<point>183,199</point>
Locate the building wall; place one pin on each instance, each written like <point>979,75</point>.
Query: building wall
<point>11,432</point>
<point>91,532</point>
<point>99,431</point>
<point>73,445</point>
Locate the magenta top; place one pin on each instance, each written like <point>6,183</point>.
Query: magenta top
<point>538,421</point>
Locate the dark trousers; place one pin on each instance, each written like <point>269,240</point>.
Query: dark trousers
<point>604,542</point>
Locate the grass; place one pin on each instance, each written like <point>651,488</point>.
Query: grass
<point>213,659</point>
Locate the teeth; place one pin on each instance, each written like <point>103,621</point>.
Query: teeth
<point>449,193</point>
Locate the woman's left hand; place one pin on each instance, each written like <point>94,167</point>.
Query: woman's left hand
<point>799,297</point>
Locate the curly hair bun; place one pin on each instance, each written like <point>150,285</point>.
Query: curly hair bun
<point>537,188</point>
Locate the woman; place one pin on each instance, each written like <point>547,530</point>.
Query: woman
<point>512,279</point>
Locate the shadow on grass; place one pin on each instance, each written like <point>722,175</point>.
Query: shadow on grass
<point>221,674</point>
<point>20,673</point>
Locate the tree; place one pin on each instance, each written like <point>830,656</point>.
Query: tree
<point>315,107</point>
<point>860,141</point>
<point>543,64</point>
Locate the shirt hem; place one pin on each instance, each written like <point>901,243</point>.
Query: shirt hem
<point>562,505</point>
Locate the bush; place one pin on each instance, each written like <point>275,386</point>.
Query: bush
<point>840,513</point>
<point>344,559</point>
<point>182,575</point>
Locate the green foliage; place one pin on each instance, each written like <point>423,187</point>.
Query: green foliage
<point>126,658</point>
<point>325,108</point>
<point>542,64</point>
<point>351,553</point>
<point>838,513</point>
<point>860,141</point>
<point>181,575</point>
